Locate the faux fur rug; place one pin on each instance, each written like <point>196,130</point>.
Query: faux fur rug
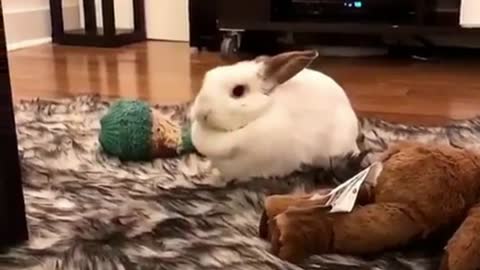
<point>90,211</point>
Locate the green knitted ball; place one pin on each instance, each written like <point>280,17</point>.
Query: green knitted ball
<point>126,130</point>
<point>187,143</point>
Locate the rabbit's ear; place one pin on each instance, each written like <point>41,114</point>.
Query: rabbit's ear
<point>282,67</point>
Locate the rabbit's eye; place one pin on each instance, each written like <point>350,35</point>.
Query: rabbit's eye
<point>238,91</point>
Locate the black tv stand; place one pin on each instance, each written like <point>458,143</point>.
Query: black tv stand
<point>236,17</point>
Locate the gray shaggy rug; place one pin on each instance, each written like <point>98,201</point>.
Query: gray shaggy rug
<point>90,211</point>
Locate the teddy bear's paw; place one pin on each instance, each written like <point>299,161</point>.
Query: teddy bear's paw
<point>278,204</point>
<point>275,205</point>
<point>287,239</point>
<point>300,232</point>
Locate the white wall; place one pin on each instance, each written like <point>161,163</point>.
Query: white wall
<point>165,19</point>
<point>27,22</point>
<point>470,13</point>
<point>123,13</point>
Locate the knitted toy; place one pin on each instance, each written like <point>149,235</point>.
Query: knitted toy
<point>132,130</point>
<point>423,191</point>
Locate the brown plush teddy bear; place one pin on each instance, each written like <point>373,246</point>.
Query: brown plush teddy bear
<point>421,191</point>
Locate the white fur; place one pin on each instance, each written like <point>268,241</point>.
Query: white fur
<point>306,120</point>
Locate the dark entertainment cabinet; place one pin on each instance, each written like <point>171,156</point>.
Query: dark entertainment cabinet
<point>427,17</point>
<point>13,227</point>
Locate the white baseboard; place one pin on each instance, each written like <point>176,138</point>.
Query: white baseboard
<point>28,43</point>
<point>32,27</point>
<point>469,13</point>
<point>472,25</point>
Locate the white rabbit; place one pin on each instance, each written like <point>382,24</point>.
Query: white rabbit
<point>269,116</point>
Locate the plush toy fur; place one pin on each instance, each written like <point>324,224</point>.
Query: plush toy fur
<point>422,190</point>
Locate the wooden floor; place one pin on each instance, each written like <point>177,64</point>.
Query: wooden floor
<point>399,90</point>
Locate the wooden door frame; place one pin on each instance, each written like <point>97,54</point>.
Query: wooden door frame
<point>13,224</point>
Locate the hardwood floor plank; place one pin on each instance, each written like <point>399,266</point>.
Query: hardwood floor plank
<point>398,90</point>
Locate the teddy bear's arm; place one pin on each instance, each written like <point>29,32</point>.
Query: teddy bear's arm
<point>277,204</point>
<point>298,233</point>
<point>463,249</point>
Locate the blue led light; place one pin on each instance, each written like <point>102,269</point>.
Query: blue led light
<point>358,4</point>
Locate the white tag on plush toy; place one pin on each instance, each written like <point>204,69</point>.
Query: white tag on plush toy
<point>342,198</point>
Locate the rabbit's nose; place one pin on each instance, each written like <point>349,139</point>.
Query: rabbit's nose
<point>202,114</point>
<point>206,115</point>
